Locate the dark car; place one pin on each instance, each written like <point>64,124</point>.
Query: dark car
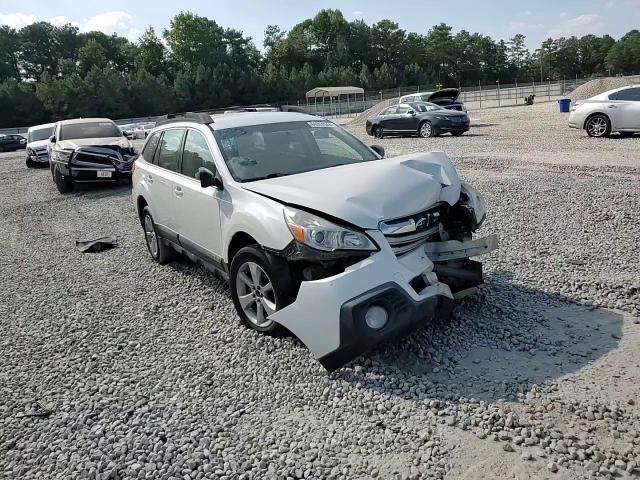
<point>11,143</point>
<point>447,98</point>
<point>423,119</point>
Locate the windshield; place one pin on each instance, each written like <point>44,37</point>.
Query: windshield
<point>39,134</point>
<point>278,149</point>
<point>425,107</point>
<point>89,130</point>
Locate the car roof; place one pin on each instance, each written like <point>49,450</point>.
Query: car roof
<point>84,120</point>
<point>231,119</point>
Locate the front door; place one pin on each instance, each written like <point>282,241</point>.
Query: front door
<point>626,109</point>
<point>198,209</point>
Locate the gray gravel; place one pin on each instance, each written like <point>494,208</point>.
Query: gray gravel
<point>112,367</point>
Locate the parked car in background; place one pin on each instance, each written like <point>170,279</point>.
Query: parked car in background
<point>89,150</point>
<point>313,229</point>
<point>38,145</point>
<point>617,110</point>
<point>12,142</point>
<point>137,130</point>
<point>417,118</point>
<point>447,98</point>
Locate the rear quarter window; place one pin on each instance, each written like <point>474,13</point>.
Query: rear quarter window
<point>150,147</point>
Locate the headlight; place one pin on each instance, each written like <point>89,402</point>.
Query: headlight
<point>476,202</point>
<point>321,234</point>
<point>61,155</point>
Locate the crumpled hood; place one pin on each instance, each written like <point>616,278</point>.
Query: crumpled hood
<point>366,193</point>
<point>93,142</point>
<point>38,143</point>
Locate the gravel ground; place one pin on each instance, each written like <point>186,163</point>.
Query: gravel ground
<point>113,367</point>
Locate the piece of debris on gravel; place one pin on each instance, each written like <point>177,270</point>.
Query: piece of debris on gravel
<point>148,374</point>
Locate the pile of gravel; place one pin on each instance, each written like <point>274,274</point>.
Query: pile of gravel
<point>600,85</point>
<point>113,367</point>
<point>361,118</point>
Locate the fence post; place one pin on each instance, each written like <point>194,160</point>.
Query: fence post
<point>549,88</point>
<point>498,82</point>
<point>480,87</point>
<point>516,91</point>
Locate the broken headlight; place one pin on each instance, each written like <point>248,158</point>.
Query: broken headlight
<point>321,234</point>
<point>475,202</point>
<point>61,155</point>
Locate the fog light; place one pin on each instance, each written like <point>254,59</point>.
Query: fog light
<point>376,317</point>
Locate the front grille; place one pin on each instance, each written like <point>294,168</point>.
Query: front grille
<point>408,233</point>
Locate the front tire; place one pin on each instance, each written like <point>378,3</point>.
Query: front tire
<point>260,285</point>
<point>426,130</point>
<point>160,252</point>
<point>598,126</point>
<point>63,184</point>
<point>378,132</point>
<point>30,163</point>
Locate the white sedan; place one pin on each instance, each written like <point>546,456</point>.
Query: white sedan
<point>613,111</point>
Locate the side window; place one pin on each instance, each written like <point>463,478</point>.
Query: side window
<point>390,111</point>
<point>334,147</point>
<point>196,155</point>
<point>403,109</point>
<point>630,94</point>
<point>169,149</point>
<point>150,147</point>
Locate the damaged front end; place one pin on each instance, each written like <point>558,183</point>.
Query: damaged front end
<point>350,301</point>
<point>96,163</point>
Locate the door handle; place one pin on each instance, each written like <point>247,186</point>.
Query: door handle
<point>611,106</point>
<point>149,179</point>
<point>177,191</point>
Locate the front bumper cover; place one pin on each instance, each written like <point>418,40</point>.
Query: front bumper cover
<point>328,314</point>
<point>84,163</point>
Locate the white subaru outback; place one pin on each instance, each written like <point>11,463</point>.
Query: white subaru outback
<point>315,232</point>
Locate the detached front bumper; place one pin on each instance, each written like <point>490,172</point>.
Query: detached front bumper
<point>38,156</point>
<point>328,315</point>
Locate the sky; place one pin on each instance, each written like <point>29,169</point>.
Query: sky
<point>501,20</point>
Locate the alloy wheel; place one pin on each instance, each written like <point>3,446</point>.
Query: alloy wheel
<point>150,235</point>
<point>597,126</point>
<point>426,129</point>
<point>255,294</point>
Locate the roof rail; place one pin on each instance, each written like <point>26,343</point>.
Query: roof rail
<point>204,116</point>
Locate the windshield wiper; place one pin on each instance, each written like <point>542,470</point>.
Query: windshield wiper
<point>271,175</point>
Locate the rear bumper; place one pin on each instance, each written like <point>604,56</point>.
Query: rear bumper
<point>328,314</point>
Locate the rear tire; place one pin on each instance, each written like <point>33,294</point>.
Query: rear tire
<point>260,285</point>
<point>62,182</point>
<point>598,126</point>
<point>158,250</point>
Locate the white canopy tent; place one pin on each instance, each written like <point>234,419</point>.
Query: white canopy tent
<point>334,93</point>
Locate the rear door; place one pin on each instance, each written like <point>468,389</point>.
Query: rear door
<point>626,109</point>
<point>197,209</point>
<point>160,177</point>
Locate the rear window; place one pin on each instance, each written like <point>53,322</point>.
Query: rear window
<point>89,130</point>
<point>40,134</point>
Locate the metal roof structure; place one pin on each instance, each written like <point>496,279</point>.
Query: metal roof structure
<point>319,92</point>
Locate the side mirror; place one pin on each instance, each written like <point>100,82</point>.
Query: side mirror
<point>52,139</point>
<point>209,179</point>
<point>379,149</point>
<point>413,113</point>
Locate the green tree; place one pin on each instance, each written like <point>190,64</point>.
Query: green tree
<point>624,55</point>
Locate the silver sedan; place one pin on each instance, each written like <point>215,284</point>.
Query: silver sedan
<point>613,111</point>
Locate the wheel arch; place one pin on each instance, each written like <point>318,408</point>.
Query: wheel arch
<point>593,114</point>
<point>141,202</point>
<point>239,240</point>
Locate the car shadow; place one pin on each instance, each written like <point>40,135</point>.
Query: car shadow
<point>497,344</point>
<point>98,190</point>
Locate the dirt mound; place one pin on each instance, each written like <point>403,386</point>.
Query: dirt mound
<point>377,108</point>
<point>600,85</point>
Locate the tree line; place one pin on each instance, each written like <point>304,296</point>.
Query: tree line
<point>49,72</point>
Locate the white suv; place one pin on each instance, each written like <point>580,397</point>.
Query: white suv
<point>314,230</point>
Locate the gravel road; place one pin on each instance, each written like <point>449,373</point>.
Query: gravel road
<point>112,367</point>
